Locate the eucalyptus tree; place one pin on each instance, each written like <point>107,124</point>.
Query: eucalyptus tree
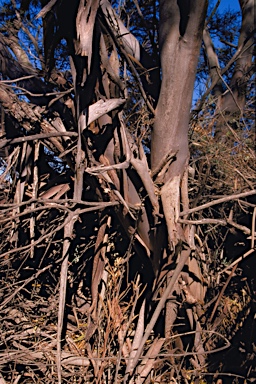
<point>95,125</point>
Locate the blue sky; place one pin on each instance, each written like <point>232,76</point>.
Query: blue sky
<point>228,4</point>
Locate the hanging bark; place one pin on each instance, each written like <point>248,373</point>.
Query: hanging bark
<point>131,272</point>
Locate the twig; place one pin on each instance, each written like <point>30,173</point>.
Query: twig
<point>39,136</point>
<point>218,201</point>
<point>33,210</point>
<point>25,247</point>
<point>215,374</point>
<point>67,358</point>
<point>203,221</point>
<point>46,94</point>
<point>95,204</point>
<point>103,168</point>
<point>55,230</point>
<point>239,52</point>
<point>230,91</point>
<point>128,57</point>
<point>27,281</point>
<point>253,227</point>
<point>222,292</point>
<point>136,341</point>
<point>242,228</point>
<point>213,12</point>
<point>237,261</point>
<point>46,9</point>
<point>182,261</point>
<point>205,331</point>
<point>34,195</point>
<point>152,354</point>
<point>17,79</point>
<point>245,179</point>
<point>68,231</point>
<point>137,77</point>
<point>165,161</point>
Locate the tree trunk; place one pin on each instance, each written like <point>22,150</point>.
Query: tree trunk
<point>180,36</point>
<point>232,102</point>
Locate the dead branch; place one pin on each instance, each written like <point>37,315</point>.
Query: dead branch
<point>182,261</point>
<point>26,282</point>
<point>241,258</point>
<point>222,292</point>
<point>219,201</point>
<point>68,231</point>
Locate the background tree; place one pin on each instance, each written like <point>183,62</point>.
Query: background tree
<point>116,199</point>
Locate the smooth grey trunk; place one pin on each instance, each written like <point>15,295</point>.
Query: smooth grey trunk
<point>180,36</point>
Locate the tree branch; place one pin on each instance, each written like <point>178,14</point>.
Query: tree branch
<point>218,201</point>
<point>39,136</point>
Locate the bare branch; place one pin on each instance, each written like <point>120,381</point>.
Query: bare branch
<point>46,9</point>
<point>26,282</point>
<point>218,201</point>
<point>183,259</point>
<point>39,136</point>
